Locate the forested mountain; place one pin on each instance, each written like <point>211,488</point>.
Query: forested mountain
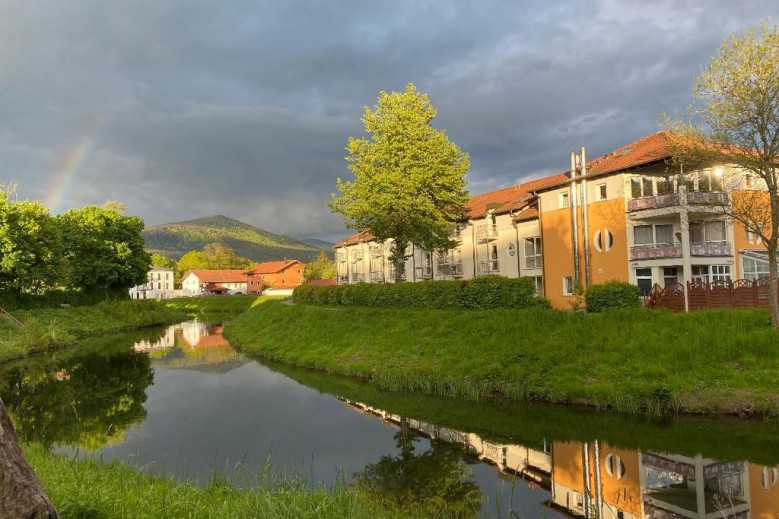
<point>175,239</point>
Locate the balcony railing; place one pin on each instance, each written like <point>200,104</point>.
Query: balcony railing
<point>655,251</point>
<point>391,273</point>
<point>653,202</point>
<point>424,272</point>
<point>450,269</point>
<point>533,262</point>
<point>377,250</point>
<point>457,269</point>
<point>377,277</point>
<point>707,198</point>
<point>489,267</point>
<point>487,232</point>
<point>711,248</point>
<point>343,279</point>
<point>357,254</point>
<point>340,256</point>
<point>358,277</point>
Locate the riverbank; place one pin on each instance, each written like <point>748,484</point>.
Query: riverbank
<point>89,488</point>
<point>234,304</point>
<point>635,361</point>
<point>45,328</point>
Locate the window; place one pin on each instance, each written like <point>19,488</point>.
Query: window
<point>644,280</point>
<point>603,240</point>
<point>642,235</point>
<point>533,253</point>
<point>539,281</point>
<point>600,192</point>
<point>754,268</point>
<point>714,231</point>
<point>670,276</point>
<point>700,273</point>
<point>664,234</point>
<point>720,272</point>
<point>615,467</point>
<point>665,185</point>
<point>511,250</point>
<point>641,186</point>
<point>563,202</point>
<point>568,286</point>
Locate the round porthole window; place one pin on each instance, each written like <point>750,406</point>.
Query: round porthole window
<point>603,239</point>
<point>511,250</point>
<point>769,477</point>
<point>614,466</point>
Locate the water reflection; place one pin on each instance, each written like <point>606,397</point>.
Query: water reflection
<point>595,479</point>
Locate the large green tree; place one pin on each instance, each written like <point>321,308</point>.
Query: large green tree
<point>30,246</point>
<point>158,260</point>
<point>321,268</point>
<point>104,249</point>
<point>736,121</point>
<point>409,183</point>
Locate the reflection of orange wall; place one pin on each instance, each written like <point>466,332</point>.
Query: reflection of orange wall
<point>624,493</point>
<point>741,199</point>
<point>764,502</point>
<point>567,465</point>
<point>612,264</point>
<point>557,253</point>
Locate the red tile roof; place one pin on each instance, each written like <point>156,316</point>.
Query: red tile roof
<point>510,198</point>
<point>364,236</point>
<point>218,276</point>
<point>272,267</point>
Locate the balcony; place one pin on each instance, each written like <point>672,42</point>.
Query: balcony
<point>391,273</point>
<point>655,251</point>
<point>711,248</point>
<point>707,198</point>
<point>377,251</point>
<point>653,202</point>
<point>377,277</point>
<point>424,272</point>
<point>489,267</point>
<point>340,256</point>
<point>357,255</point>
<point>343,279</point>
<point>358,277</point>
<point>533,262</point>
<point>451,269</point>
<point>485,233</point>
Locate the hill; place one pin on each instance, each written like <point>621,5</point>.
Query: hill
<point>176,239</point>
<point>320,244</point>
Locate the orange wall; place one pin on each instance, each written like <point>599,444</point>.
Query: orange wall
<point>567,465</point>
<point>557,254</point>
<point>763,501</point>
<point>741,198</point>
<point>611,264</point>
<point>290,277</point>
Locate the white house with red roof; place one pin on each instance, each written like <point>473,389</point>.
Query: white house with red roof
<point>224,281</point>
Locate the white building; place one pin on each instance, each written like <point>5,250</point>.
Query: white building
<point>202,282</point>
<point>159,285</point>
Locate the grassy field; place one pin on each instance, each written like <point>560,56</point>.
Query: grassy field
<point>48,327</point>
<point>82,489</point>
<point>234,304</point>
<point>631,361</point>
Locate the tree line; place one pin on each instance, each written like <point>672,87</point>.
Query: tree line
<point>91,250</point>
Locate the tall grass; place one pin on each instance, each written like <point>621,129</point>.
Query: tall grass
<point>89,489</point>
<point>48,327</point>
<point>628,360</point>
<point>234,304</point>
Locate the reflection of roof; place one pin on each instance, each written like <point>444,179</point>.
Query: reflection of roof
<point>218,276</point>
<point>323,282</point>
<point>210,337</point>
<point>272,267</point>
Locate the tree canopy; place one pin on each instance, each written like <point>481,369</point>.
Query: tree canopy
<point>735,121</point>
<point>321,268</point>
<point>158,260</point>
<point>409,183</point>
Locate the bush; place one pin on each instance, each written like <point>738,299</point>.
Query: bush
<point>480,292</point>
<point>612,294</point>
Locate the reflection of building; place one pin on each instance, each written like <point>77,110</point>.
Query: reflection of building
<point>197,334</point>
<point>159,285</point>
<point>595,480</point>
<point>167,340</point>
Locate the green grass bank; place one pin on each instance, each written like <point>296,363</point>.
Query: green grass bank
<point>45,328</point>
<point>86,488</point>
<point>234,304</point>
<point>714,362</point>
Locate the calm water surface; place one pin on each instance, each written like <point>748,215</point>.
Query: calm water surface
<point>181,401</point>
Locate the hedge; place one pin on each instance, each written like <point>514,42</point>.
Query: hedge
<point>480,292</point>
<point>612,294</point>
<point>56,298</point>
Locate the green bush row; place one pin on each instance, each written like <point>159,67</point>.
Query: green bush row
<point>480,292</point>
<point>612,294</point>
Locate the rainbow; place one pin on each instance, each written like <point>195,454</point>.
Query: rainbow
<point>73,161</point>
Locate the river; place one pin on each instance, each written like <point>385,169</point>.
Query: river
<point>181,401</point>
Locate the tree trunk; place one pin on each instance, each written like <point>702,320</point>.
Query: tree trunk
<point>21,493</point>
<point>773,299</point>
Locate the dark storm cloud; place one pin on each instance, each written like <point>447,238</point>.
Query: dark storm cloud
<point>182,109</point>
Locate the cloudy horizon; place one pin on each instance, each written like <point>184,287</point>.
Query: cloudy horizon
<point>186,109</point>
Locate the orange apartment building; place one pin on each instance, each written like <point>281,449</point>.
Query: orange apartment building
<point>629,215</point>
<point>275,274</point>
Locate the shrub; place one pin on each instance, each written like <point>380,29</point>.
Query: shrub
<point>612,294</point>
<point>480,292</point>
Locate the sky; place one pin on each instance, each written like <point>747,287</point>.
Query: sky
<point>181,109</point>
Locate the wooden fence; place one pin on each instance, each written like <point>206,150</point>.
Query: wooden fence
<point>742,293</point>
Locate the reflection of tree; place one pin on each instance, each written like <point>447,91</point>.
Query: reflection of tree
<point>435,481</point>
<point>85,400</point>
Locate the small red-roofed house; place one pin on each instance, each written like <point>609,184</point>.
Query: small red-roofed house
<point>203,282</point>
<point>275,274</point>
